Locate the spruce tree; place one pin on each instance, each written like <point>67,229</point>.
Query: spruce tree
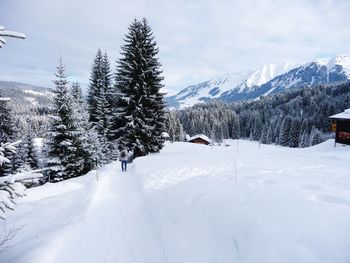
<point>316,137</point>
<point>95,87</point>
<point>304,140</point>
<point>20,158</point>
<point>65,150</point>
<point>294,139</point>
<point>7,135</point>
<point>236,128</point>
<point>81,117</point>
<point>285,131</point>
<point>140,104</point>
<point>269,135</point>
<point>32,153</point>
<point>101,100</point>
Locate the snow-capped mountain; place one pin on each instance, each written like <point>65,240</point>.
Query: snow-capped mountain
<point>268,79</point>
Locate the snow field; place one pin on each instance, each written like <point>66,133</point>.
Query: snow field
<point>186,205</point>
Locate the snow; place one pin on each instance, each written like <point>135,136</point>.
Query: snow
<point>37,93</point>
<point>268,72</point>
<point>201,136</point>
<point>38,142</point>
<point>342,60</point>
<point>7,33</point>
<point>224,83</point>
<point>194,203</point>
<point>342,115</point>
<point>242,80</point>
<point>32,100</point>
<point>20,177</point>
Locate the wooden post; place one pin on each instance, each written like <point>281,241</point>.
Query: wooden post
<point>96,170</point>
<point>235,164</point>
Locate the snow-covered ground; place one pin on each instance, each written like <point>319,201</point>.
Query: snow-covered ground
<point>186,205</point>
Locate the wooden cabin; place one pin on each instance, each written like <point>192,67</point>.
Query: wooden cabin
<point>199,139</point>
<point>341,126</point>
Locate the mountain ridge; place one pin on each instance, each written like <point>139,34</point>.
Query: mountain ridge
<point>268,79</point>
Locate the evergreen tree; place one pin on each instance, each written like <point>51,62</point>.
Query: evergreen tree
<point>95,87</point>
<point>236,128</point>
<point>7,129</point>
<point>285,130</point>
<point>138,82</point>
<point>25,158</point>
<point>174,127</point>
<point>101,101</point>
<point>87,136</point>
<point>7,134</point>
<point>101,95</point>
<point>20,158</point>
<point>316,136</point>
<point>217,134</point>
<point>66,156</point>
<point>295,133</point>
<point>32,154</point>
<point>257,128</point>
<point>304,140</point>
<point>264,134</point>
<point>269,135</point>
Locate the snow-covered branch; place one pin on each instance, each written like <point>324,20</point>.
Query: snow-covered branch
<point>12,186</point>
<point>6,33</point>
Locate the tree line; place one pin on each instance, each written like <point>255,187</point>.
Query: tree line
<point>296,118</point>
<point>123,109</point>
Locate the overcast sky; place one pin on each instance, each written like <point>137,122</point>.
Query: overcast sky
<point>197,39</point>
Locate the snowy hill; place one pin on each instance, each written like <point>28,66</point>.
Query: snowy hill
<point>21,94</point>
<point>269,79</point>
<point>194,203</point>
<point>30,105</point>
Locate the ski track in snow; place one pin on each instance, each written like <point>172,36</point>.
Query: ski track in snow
<point>188,205</point>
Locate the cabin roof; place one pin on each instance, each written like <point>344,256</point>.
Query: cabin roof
<point>199,136</point>
<point>342,115</point>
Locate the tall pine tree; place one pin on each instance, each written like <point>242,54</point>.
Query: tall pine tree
<point>66,156</point>
<point>140,103</point>
<point>7,134</point>
<point>95,87</point>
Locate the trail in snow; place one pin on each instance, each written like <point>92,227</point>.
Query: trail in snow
<point>183,205</point>
<point>116,226</point>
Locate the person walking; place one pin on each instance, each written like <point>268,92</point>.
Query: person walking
<point>123,158</point>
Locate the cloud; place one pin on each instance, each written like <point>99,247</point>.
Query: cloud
<point>197,39</point>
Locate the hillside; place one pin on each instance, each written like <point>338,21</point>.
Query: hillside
<point>292,118</point>
<point>269,79</point>
<point>194,203</point>
<point>30,105</point>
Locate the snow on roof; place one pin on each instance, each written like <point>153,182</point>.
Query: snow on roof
<point>201,136</point>
<point>5,99</point>
<point>342,115</point>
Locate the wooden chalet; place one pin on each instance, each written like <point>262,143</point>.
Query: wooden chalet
<point>341,126</point>
<point>199,139</point>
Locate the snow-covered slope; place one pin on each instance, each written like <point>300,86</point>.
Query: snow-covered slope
<point>269,79</point>
<point>194,203</point>
<point>21,93</point>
